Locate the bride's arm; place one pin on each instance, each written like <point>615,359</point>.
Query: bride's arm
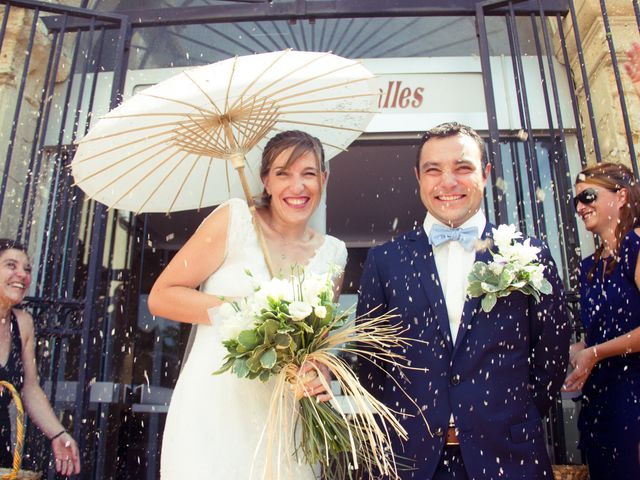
<point>174,295</point>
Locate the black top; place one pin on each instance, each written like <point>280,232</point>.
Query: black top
<point>13,372</point>
<point>608,420</point>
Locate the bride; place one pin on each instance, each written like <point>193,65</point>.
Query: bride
<point>215,422</point>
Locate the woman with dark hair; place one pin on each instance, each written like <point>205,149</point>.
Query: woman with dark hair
<point>215,423</point>
<point>18,363</point>
<point>607,363</point>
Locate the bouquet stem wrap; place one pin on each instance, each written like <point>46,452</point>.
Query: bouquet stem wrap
<point>341,440</point>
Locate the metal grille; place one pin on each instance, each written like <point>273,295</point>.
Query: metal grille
<point>39,206</point>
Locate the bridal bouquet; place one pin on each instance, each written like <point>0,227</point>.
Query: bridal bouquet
<point>515,267</point>
<point>288,322</point>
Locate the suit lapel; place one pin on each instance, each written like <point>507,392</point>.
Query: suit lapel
<point>472,305</point>
<point>424,263</point>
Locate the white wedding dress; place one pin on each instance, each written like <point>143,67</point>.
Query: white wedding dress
<point>215,422</point>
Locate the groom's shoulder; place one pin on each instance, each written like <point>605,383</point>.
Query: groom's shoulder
<point>398,243</point>
<point>403,238</point>
<point>536,242</point>
<point>415,234</point>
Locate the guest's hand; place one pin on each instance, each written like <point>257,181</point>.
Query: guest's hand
<point>318,384</point>
<point>575,348</point>
<point>65,451</point>
<point>582,362</point>
<point>632,66</point>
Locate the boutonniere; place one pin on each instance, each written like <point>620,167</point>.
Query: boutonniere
<point>514,268</point>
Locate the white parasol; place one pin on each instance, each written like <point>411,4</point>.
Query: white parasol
<point>172,146</point>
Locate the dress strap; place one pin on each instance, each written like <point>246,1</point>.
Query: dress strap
<point>13,370</point>
<point>16,337</point>
<point>240,226</point>
<point>337,251</point>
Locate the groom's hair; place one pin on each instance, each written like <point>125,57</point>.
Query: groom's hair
<point>451,129</point>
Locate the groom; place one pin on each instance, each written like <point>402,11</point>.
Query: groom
<point>486,379</point>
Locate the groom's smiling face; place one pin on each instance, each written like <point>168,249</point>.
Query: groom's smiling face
<point>451,178</point>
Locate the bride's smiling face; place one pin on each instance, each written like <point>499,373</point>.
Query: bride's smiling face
<point>295,189</point>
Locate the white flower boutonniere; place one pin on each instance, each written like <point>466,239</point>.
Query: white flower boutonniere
<point>514,268</point>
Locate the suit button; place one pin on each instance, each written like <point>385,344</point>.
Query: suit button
<point>439,432</point>
<point>455,380</point>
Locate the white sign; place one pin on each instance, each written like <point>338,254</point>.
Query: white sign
<point>419,93</point>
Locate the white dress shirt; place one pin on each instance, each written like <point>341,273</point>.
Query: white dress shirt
<point>454,264</point>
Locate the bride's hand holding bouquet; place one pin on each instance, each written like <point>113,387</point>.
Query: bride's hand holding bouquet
<point>292,331</point>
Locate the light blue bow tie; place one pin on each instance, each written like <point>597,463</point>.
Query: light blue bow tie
<point>440,234</point>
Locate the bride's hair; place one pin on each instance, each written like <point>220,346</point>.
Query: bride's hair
<point>300,141</point>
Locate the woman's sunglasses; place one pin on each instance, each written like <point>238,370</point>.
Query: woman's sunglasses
<point>586,197</point>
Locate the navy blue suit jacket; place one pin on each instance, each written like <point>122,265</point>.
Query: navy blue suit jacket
<point>498,380</point>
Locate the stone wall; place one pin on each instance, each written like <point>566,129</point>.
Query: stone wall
<point>12,63</point>
<point>601,77</point>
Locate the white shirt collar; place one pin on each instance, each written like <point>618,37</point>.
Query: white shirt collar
<point>477,220</point>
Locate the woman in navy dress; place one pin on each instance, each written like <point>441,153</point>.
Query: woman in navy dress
<point>607,363</point>
<point>18,363</point>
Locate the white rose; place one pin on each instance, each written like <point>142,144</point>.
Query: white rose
<point>313,286</point>
<point>504,235</point>
<point>232,326</point>
<point>524,253</point>
<point>537,276</point>
<point>252,307</point>
<point>320,311</point>
<point>276,288</point>
<point>496,268</point>
<point>299,310</point>
<point>226,310</point>
<point>500,258</point>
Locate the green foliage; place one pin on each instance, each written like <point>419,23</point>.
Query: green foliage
<point>248,339</point>
<point>268,359</point>
<point>277,339</point>
<point>326,440</point>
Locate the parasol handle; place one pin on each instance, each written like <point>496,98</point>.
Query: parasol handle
<point>238,164</point>
<point>17,452</point>
<point>237,160</point>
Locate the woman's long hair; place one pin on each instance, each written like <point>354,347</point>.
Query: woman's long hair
<point>615,177</point>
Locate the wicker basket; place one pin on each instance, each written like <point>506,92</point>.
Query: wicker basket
<point>8,474</point>
<point>15,473</point>
<point>570,472</point>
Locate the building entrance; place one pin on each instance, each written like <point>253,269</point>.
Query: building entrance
<point>523,73</point>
